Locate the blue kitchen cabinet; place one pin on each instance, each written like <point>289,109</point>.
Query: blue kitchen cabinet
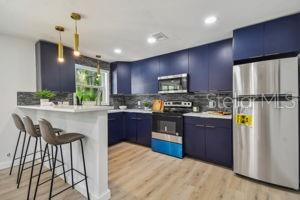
<point>130,127</point>
<point>194,140</point>
<point>121,78</point>
<point>248,42</point>
<point>173,63</point>
<point>144,129</point>
<point>219,146</point>
<point>51,74</point>
<point>278,36</point>
<point>198,69</point>
<point>209,139</point>
<point>282,35</point>
<point>220,65</point>
<point>144,75</point>
<point>115,128</point>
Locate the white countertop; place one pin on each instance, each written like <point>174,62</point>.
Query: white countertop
<point>130,110</point>
<point>72,109</point>
<point>208,115</point>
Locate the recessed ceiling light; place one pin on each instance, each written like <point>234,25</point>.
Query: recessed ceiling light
<point>210,20</point>
<point>118,51</point>
<point>151,40</point>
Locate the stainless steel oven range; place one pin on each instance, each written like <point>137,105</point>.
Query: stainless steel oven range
<point>167,128</point>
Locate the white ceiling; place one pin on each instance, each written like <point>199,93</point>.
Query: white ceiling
<point>126,24</point>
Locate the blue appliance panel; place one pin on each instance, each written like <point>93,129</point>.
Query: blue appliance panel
<point>166,147</point>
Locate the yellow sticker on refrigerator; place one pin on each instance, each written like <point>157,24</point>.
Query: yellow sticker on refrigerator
<point>243,119</point>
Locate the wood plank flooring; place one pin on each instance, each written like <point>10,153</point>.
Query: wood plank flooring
<point>137,173</point>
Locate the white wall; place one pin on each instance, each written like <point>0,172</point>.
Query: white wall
<point>17,73</point>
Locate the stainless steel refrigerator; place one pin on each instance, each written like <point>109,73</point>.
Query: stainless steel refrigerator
<point>266,121</point>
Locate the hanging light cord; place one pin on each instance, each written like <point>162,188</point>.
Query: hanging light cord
<point>76,26</point>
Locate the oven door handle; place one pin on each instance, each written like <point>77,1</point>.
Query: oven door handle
<point>169,116</point>
<point>199,125</point>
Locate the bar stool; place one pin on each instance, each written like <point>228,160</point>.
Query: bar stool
<point>57,140</point>
<point>35,133</point>
<point>20,126</point>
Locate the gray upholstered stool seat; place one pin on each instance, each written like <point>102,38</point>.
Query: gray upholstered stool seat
<point>68,138</point>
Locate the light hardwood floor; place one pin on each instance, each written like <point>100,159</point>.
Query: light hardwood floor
<point>137,173</point>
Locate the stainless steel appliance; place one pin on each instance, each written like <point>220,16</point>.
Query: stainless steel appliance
<point>173,84</point>
<point>266,121</point>
<point>167,128</point>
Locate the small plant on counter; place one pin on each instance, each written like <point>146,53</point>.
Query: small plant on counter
<point>147,104</point>
<point>45,94</point>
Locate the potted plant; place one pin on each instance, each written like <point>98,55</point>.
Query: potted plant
<point>89,98</point>
<point>44,96</point>
<point>147,105</point>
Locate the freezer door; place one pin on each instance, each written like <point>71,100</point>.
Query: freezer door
<point>266,141</point>
<point>266,77</point>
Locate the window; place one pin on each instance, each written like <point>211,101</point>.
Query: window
<point>91,86</point>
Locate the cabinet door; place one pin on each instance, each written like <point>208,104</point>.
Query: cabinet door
<point>282,35</point>
<point>220,66</point>
<point>48,68</point>
<point>130,127</point>
<point>174,63</point>
<point>115,128</point>
<point>219,146</point>
<point>121,78</point>
<point>248,42</point>
<point>194,140</point>
<point>67,71</point>
<point>144,75</point>
<point>198,69</point>
<point>144,128</point>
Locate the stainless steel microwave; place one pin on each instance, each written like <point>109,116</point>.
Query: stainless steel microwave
<point>173,84</point>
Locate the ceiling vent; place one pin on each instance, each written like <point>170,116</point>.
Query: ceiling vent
<point>159,36</point>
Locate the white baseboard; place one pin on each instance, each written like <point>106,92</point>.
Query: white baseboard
<point>5,165</point>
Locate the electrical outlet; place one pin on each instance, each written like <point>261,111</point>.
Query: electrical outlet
<point>211,104</point>
<point>8,155</point>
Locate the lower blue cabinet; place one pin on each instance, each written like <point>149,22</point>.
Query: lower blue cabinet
<point>209,140</point>
<point>115,128</point>
<point>138,128</point>
<point>194,141</point>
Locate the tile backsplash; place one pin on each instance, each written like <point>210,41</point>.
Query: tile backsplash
<point>220,101</point>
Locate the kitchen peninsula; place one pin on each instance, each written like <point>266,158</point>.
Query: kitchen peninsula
<point>90,121</point>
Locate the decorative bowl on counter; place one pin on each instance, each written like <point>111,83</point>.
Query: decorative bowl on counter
<point>122,107</point>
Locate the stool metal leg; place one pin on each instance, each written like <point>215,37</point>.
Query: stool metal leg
<point>53,173</point>
<point>40,172</point>
<point>63,163</point>
<point>32,168</point>
<point>84,168</point>
<point>21,156</point>
<point>62,160</point>
<point>49,158</point>
<point>24,160</point>
<point>72,175</point>
<point>16,149</point>
<point>41,148</point>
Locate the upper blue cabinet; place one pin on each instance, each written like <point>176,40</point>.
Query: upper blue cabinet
<point>210,67</point>
<point>52,75</point>
<point>220,65</point>
<point>174,63</point>
<point>198,69</point>
<point>144,75</point>
<point>248,42</point>
<point>282,35</point>
<point>269,38</point>
<point>121,78</point>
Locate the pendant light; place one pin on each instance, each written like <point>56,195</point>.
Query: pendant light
<point>60,46</point>
<point>76,17</point>
<point>98,64</point>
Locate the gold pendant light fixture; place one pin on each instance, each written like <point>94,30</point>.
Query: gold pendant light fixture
<point>76,17</point>
<point>60,46</point>
<point>98,64</point>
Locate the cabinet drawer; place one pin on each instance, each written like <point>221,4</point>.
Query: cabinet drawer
<point>114,116</point>
<point>195,120</point>
<point>218,123</point>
